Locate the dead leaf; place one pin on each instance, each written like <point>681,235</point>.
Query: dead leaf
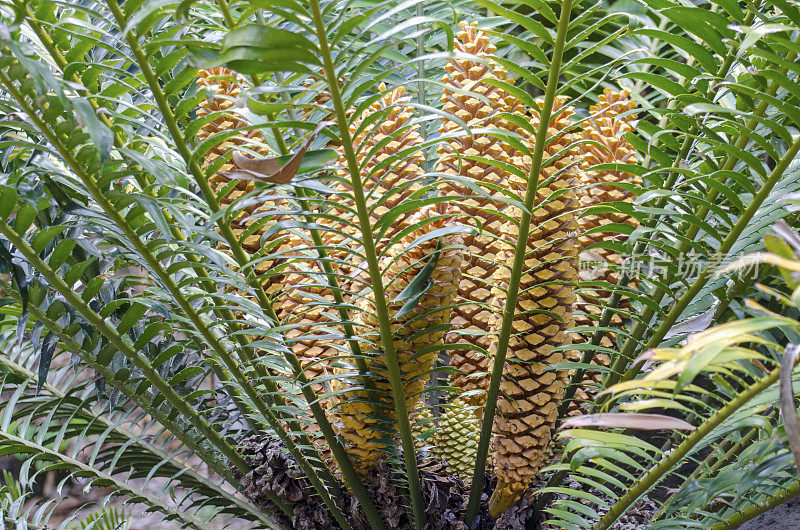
<point>271,169</point>
<point>788,234</point>
<point>646,356</point>
<point>694,324</point>
<point>791,421</point>
<point>637,421</point>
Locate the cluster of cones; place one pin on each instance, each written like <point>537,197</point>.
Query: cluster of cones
<point>483,178</point>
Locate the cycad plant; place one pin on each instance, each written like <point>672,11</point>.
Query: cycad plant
<point>319,264</point>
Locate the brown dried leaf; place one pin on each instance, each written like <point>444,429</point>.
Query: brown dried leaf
<point>637,421</point>
<point>791,421</point>
<point>788,234</point>
<point>646,356</point>
<point>694,324</point>
<point>271,169</point>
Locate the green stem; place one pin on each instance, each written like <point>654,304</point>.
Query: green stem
<point>742,516</point>
<point>330,275</point>
<point>617,296</point>
<point>226,13</point>
<point>392,364</point>
<point>499,360</point>
<point>658,472</point>
<point>689,295</point>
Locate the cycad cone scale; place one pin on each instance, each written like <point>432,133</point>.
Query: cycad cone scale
<point>368,427</point>
<point>386,185</point>
<point>527,406</point>
<point>454,435</point>
<point>605,129</point>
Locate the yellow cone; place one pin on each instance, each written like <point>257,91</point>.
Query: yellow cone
<point>368,427</point>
